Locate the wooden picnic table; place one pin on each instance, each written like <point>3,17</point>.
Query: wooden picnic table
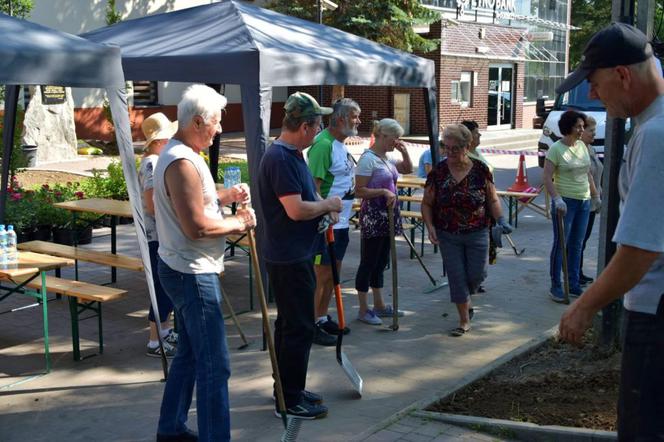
<point>103,207</point>
<point>30,266</point>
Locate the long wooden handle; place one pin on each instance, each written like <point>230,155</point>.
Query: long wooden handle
<point>393,253</point>
<point>266,323</point>
<point>329,236</point>
<point>563,252</point>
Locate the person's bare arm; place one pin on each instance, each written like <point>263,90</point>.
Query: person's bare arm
<point>362,191</point>
<point>624,271</point>
<point>427,213</point>
<point>149,202</point>
<point>494,202</point>
<point>299,210</point>
<point>318,182</point>
<point>184,188</point>
<point>591,183</point>
<point>547,177</point>
<point>405,165</point>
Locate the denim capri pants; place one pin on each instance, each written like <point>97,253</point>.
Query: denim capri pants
<point>466,258</point>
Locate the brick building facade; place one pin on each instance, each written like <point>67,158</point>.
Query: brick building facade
<point>457,57</point>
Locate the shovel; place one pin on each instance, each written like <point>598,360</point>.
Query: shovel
<point>347,367</point>
<point>291,426</point>
<point>511,241</point>
<point>395,282</point>
<point>563,249</point>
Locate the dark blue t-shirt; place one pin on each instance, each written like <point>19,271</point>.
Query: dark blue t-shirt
<point>284,172</point>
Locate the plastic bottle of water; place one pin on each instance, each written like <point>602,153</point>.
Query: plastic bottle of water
<point>3,245</point>
<point>232,177</point>
<point>12,252</point>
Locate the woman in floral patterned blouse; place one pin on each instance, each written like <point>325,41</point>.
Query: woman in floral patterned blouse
<point>376,183</point>
<point>459,200</point>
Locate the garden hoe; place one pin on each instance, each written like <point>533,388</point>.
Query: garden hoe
<point>347,367</point>
<point>435,284</point>
<point>395,281</point>
<point>511,241</point>
<point>227,302</point>
<point>563,250</point>
<point>291,426</point>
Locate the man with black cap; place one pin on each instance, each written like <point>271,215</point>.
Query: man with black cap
<point>292,211</point>
<point>619,65</point>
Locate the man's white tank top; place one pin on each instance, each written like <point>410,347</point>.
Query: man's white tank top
<point>205,255</point>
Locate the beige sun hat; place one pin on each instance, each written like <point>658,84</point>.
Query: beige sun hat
<point>158,127</point>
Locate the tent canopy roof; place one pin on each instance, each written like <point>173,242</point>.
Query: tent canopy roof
<point>238,43</point>
<point>34,54</point>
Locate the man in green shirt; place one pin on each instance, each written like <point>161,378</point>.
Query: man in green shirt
<point>333,170</point>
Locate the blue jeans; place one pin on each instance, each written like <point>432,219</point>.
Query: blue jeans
<point>201,359</point>
<point>164,304</point>
<point>575,224</point>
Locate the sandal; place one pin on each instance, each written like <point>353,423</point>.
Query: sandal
<point>458,331</point>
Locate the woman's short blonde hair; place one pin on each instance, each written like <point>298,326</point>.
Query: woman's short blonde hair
<point>458,132</point>
<point>590,121</point>
<point>389,127</point>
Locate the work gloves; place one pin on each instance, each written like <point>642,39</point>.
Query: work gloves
<point>560,205</point>
<point>506,228</point>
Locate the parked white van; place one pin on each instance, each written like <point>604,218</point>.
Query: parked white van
<point>578,100</point>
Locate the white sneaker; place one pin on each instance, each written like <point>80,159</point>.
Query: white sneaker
<point>171,338</point>
<point>369,317</point>
<point>169,351</point>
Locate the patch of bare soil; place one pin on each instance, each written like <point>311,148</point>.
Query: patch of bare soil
<point>555,384</point>
<point>31,178</point>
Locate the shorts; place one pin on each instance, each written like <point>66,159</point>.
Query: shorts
<point>340,246</point>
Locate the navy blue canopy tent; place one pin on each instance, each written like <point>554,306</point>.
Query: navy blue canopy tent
<point>31,54</point>
<point>231,42</point>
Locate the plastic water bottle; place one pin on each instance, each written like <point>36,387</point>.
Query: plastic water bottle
<point>12,252</point>
<point>3,246</point>
<point>232,176</point>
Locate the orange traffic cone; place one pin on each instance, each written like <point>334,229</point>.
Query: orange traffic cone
<point>521,181</point>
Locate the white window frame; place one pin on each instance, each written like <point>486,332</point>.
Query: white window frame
<point>462,89</point>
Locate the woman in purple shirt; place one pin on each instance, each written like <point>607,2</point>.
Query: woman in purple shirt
<point>376,183</point>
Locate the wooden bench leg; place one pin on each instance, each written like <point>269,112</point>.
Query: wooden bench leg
<point>73,312</point>
<point>101,332</point>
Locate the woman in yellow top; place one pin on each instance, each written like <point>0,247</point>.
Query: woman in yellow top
<point>568,181</point>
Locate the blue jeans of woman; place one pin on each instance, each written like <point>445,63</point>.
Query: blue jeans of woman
<point>201,359</point>
<point>575,225</point>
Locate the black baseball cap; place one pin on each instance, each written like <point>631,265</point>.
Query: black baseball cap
<point>618,44</point>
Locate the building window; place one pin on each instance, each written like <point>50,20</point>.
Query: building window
<point>462,89</point>
<point>145,93</point>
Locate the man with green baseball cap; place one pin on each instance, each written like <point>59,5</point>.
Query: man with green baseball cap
<point>303,105</point>
<point>292,210</point>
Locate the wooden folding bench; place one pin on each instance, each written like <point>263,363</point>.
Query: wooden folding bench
<point>517,201</point>
<point>82,297</point>
<point>81,254</point>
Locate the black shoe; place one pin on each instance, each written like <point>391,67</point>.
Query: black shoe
<point>312,397</point>
<point>305,410</point>
<point>187,436</point>
<point>583,279</point>
<point>321,337</point>
<point>308,396</point>
<point>331,327</point>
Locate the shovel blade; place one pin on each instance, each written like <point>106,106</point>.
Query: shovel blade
<point>351,373</point>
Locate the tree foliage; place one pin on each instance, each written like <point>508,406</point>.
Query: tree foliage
<point>17,8</point>
<point>593,15</point>
<point>389,22</point>
<point>112,15</point>
<point>590,16</point>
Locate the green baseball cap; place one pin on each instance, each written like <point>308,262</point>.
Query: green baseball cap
<point>302,105</point>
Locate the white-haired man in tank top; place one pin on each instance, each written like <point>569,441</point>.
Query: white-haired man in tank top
<point>191,229</point>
